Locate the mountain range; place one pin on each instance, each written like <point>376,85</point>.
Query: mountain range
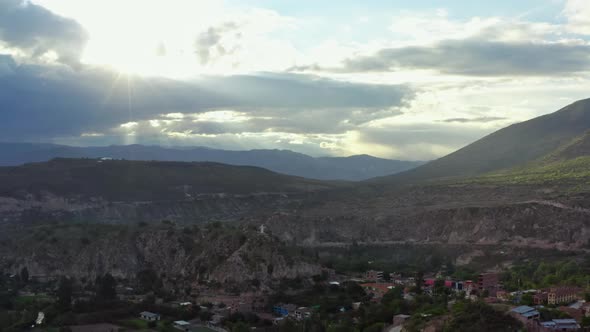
<point>521,191</point>
<point>353,168</point>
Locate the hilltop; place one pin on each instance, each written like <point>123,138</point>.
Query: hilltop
<point>121,180</point>
<point>351,168</point>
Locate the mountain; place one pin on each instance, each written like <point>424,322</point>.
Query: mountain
<point>352,168</point>
<point>515,145</point>
<point>123,180</point>
<point>567,165</point>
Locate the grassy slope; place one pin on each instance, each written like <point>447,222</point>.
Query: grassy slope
<point>568,164</point>
<point>509,147</point>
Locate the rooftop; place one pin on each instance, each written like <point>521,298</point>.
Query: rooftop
<point>523,309</point>
<point>149,314</point>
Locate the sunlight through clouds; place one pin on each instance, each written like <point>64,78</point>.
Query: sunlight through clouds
<point>409,82</point>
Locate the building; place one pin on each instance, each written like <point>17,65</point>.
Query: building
<point>540,298</point>
<point>559,295</point>
<point>302,313</point>
<point>528,316</point>
<point>373,275</point>
<point>284,309</point>
<point>468,287</point>
<point>489,282</point>
<point>149,316</point>
<point>377,289</point>
<point>575,313</point>
<point>182,325</point>
<point>560,325</point>
<point>399,320</point>
<point>503,296</point>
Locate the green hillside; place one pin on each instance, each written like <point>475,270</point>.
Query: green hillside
<point>568,164</point>
<point>510,147</point>
<point>140,180</point>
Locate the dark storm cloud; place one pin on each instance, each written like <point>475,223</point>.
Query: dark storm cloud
<point>35,31</point>
<point>475,57</point>
<point>42,102</point>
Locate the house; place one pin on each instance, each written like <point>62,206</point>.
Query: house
<point>560,325</point>
<point>575,313</point>
<point>399,320</point>
<point>149,316</point>
<point>540,298</point>
<point>525,314</point>
<point>215,320</point>
<point>373,275</point>
<point>302,313</point>
<point>377,289</point>
<point>503,296</point>
<point>468,286</point>
<point>284,309</point>
<point>182,325</point>
<point>489,282</point>
<point>429,282</point>
<point>559,295</point>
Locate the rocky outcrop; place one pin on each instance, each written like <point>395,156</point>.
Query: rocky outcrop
<point>226,207</point>
<point>447,215</point>
<point>223,254</point>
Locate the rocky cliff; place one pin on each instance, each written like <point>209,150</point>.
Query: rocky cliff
<point>223,254</point>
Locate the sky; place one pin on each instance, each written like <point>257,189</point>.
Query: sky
<point>390,78</point>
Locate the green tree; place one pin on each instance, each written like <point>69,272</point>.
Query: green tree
<point>288,325</point>
<point>395,293</point>
<point>377,327</point>
<point>24,275</point>
<point>527,299</point>
<point>341,328</point>
<point>480,317</point>
<point>240,327</point>
<point>64,294</point>
<point>419,282</point>
<point>106,288</point>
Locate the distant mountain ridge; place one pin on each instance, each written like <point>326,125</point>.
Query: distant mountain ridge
<point>126,180</point>
<point>353,168</point>
<point>560,132</point>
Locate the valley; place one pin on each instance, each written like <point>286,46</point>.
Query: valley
<point>209,228</point>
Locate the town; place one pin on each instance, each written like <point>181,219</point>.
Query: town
<point>371,301</point>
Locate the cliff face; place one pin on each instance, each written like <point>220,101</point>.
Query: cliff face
<point>32,208</point>
<point>478,215</point>
<point>528,215</point>
<point>223,254</point>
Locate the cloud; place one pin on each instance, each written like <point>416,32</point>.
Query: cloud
<point>208,43</point>
<point>475,57</point>
<point>37,32</point>
<point>577,13</point>
<point>479,58</point>
<point>476,47</point>
<point>420,141</point>
<point>481,119</point>
<point>45,102</point>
